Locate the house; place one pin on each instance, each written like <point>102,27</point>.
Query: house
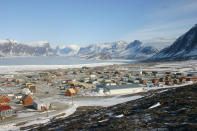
<point>125,79</point>
<point>41,105</point>
<point>86,80</point>
<point>168,77</point>
<point>19,80</point>
<point>69,82</point>
<point>10,79</point>
<point>162,80</point>
<point>169,73</point>
<point>27,100</point>
<point>182,80</point>
<point>5,111</point>
<point>32,88</point>
<point>27,84</point>
<point>148,73</point>
<point>176,81</point>
<point>4,99</point>
<point>85,68</point>
<point>155,80</point>
<point>18,96</point>
<point>63,82</point>
<point>144,82</point>
<point>180,74</point>
<point>95,82</point>
<point>136,81</point>
<point>93,76</point>
<point>192,79</point>
<point>71,91</point>
<point>169,83</point>
<point>124,89</point>
<point>131,79</point>
<point>36,77</point>
<point>191,75</point>
<point>25,91</point>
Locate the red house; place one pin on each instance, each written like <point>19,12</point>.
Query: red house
<point>71,91</point>
<point>27,100</point>
<point>5,111</point>
<point>4,99</point>
<point>155,80</point>
<point>192,79</point>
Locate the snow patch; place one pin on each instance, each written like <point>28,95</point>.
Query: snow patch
<point>155,105</point>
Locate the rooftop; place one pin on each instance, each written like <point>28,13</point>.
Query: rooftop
<point>115,87</point>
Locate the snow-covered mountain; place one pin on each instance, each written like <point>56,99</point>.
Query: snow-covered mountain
<point>13,48</point>
<point>100,56</point>
<point>120,49</point>
<point>70,50</point>
<point>185,47</point>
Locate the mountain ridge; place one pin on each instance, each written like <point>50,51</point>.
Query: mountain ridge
<point>185,47</point>
<point>119,49</point>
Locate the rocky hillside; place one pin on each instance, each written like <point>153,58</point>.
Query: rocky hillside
<point>100,56</point>
<point>173,109</point>
<point>13,48</point>
<point>185,47</point>
<point>120,49</point>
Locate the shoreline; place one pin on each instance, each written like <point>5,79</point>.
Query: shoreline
<point>15,69</point>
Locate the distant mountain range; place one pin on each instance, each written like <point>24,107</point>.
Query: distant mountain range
<point>13,48</point>
<point>120,49</point>
<point>185,47</point>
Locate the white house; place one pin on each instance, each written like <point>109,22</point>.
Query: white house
<point>41,105</point>
<point>124,89</point>
<point>26,91</point>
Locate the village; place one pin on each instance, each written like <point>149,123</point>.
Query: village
<point>35,93</point>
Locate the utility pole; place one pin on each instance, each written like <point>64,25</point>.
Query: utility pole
<point>72,100</point>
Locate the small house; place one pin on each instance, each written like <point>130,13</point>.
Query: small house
<point>177,81</point>
<point>191,75</point>
<point>18,80</point>
<point>5,111</point>
<point>18,96</point>
<point>144,82</point>
<point>182,80</point>
<point>36,77</point>
<point>27,84</point>
<point>4,99</point>
<point>10,79</point>
<point>27,100</point>
<point>169,83</point>
<point>41,105</point>
<point>124,89</point>
<point>162,80</point>
<point>192,79</point>
<point>155,80</point>
<point>71,91</point>
<point>32,88</point>
<point>25,91</point>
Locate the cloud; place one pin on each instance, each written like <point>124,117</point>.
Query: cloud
<point>170,29</point>
<point>174,10</point>
<point>159,42</point>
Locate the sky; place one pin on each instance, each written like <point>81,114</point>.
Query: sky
<point>83,22</point>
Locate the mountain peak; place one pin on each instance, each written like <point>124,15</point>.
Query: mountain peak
<point>135,43</point>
